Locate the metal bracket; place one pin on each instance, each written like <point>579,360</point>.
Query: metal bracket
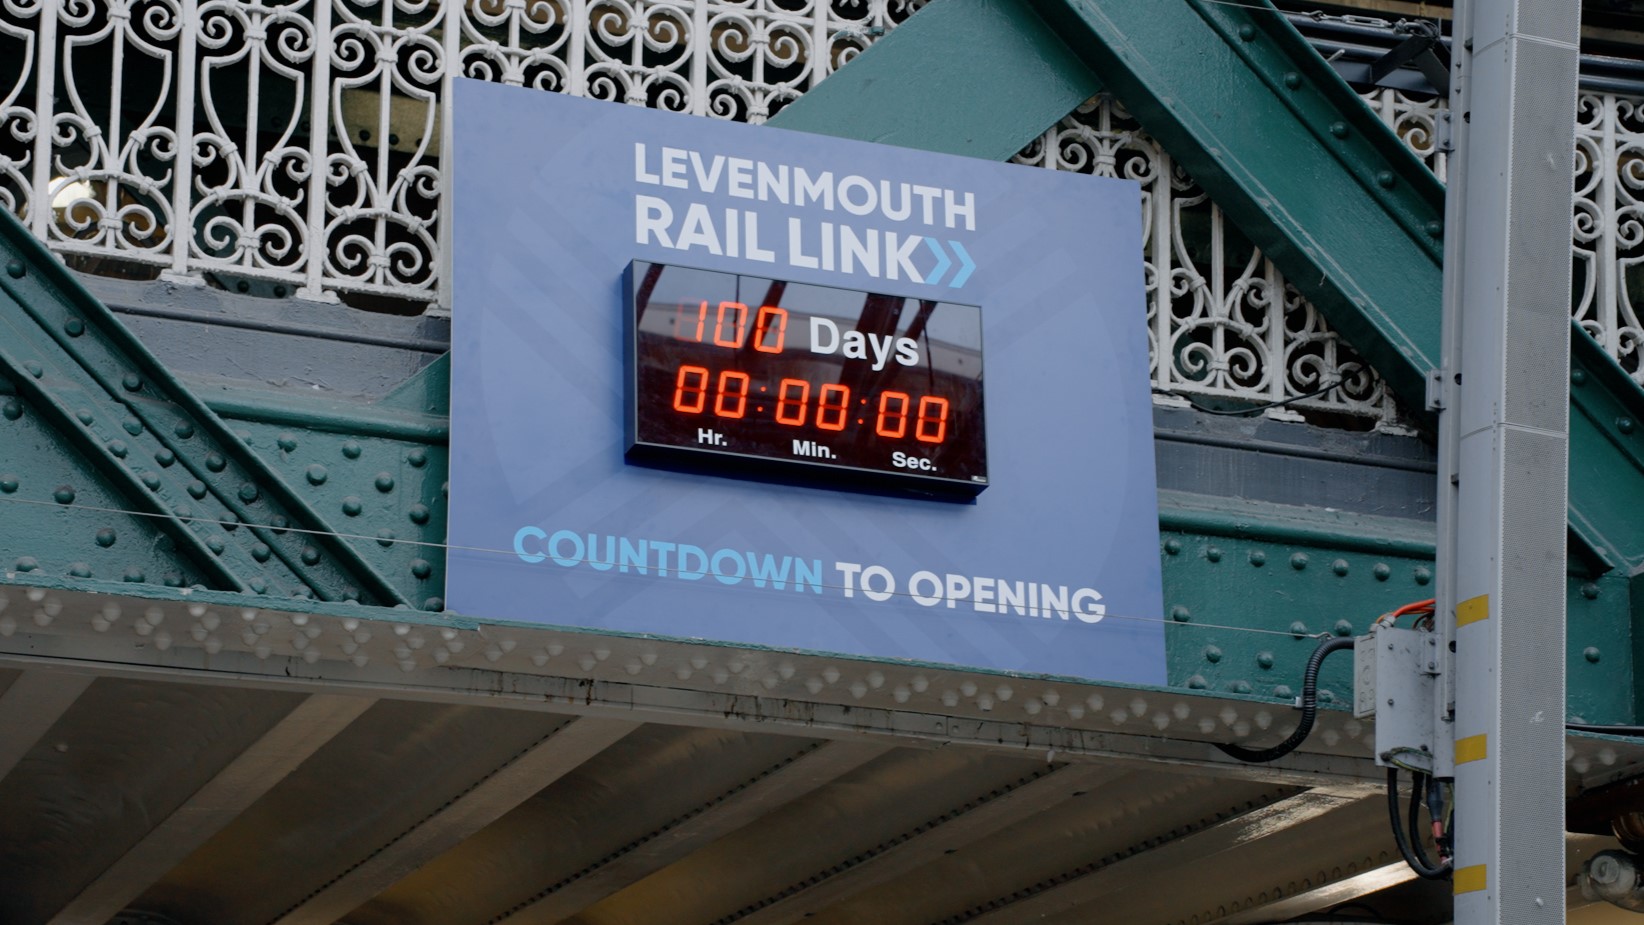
<point>1435,390</point>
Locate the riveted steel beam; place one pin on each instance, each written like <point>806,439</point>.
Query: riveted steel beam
<point>233,519</point>
<point>974,77</point>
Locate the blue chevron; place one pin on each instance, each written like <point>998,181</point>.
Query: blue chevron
<point>966,265</point>
<point>943,261</point>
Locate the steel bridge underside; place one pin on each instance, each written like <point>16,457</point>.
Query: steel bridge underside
<point>313,738</point>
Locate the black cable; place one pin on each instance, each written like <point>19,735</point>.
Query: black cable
<point>1309,708</point>
<point>1257,409</point>
<point>1606,730</point>
<point>1415,857</point>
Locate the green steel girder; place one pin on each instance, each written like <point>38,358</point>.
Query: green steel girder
<point>1306,171</point>
<point>235,524</point>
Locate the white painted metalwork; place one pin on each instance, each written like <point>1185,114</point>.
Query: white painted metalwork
<point>122,121</point>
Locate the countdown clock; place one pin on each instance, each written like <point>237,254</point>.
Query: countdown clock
<point>743,375</point>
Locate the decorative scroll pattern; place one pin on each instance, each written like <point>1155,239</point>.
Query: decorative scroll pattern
<point>1222,321</point>
<point>293,146</point>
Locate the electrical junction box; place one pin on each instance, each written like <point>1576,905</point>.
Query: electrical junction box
<point>1395,679</point>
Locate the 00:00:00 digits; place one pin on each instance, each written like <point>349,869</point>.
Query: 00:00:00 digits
<point>793,404</point>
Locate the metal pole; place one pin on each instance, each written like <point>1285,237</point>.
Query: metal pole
<point>1503,449</point>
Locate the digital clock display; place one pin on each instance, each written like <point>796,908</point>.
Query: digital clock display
<point>749,375</point>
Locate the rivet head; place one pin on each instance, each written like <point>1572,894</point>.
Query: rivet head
<point>27,564</point>
<point>34,369</point>
<point>1434,228</point>
<point>1343,628</point>
<point>1258,558</point>
<point>258,586</point>
<point>1338,129</point>
<point>435,604</point>
<point>184,430</point>
<point>1264,660</point>
<point>216,544</point>
<point>1625,425</point>
<point>1298,561</point>
<point>311,556</point>
<point>1247,33</point>
<point>1213,553</point>
<point>1423,575</point>
<point>417,458</point>
<point>421,568</point>
<point>64,494</point>
<point>132,426</point>
<point>1382,571</point>
<point>1327,696</point>
<point>249,493</point>
<point>135,575</point>
<point>1578,376</point>
<point>1298,629</point>
<point>118,448</point>
<point>351,449</point>
<point>1340,567</point>
<point>419,514</point>
<point>1385,179</point>
<point>74,327</point>
<point>12,409</point>
<point>1239,686</point>
<point>1197,682</point>
<point>1283,692</point>
<point>106,537</point>
<point>1591,654</point>
<point>261,552</point>
<point>316,474</point>
<point>215,462</point>
<point>80,570</point>
<point>286,442</point>
<point>385,537</point>
<point>351,506</point>
<point>1212,654</point>
<point>197,490</point>
<point>131,382</point>
<point>384,482</point>
<point>1589,591</point>
<point>164,457</point>
<point>1292,79</point>
<point>150,480</point>
<point>1180,614</point>
<point>14,269</point>
<point>1172,546</point>
<point>8,483</point>
<point>84,416</point>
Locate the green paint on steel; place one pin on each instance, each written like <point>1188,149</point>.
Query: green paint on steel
<point>234,522</point>
<point>1290,153</point>
<point>975,77</point>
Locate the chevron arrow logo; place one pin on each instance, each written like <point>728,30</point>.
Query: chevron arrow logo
<point>943,262</point>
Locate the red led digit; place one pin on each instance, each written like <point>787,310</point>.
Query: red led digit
<point>691,396</point>
<point>687,328</point>
<point>732,385</point>
<point>933,420</point>
<point>791,411</point>
<point>739,324</point>
<point>763,328</point>
<point>892,422</point>
<point>832,400</point>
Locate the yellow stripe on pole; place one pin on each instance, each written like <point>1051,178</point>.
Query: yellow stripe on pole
<point>1473,610</point>
<point>1470,879</point>
<point>1472,748</point>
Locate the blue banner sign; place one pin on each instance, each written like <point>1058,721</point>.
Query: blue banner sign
<point>580,226</point>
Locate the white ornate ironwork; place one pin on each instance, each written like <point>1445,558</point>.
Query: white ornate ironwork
<point>294,146</point>
<point>1222,322</point>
